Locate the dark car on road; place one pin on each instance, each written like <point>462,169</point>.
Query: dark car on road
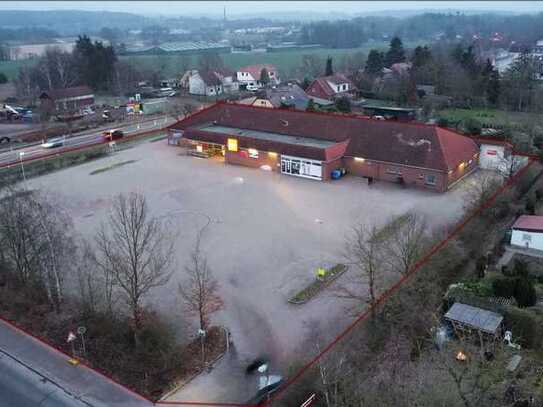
<point>111,135</point>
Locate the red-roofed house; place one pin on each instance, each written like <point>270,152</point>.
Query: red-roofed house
<point>331,87</point>
<point>250,75</point>
<point>312,145</point>
<point>527,232</point>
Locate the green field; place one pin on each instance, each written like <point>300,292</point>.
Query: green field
<point>492,117</point>
<point>285,61</point>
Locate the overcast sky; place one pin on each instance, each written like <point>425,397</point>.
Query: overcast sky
<point>252,7</point>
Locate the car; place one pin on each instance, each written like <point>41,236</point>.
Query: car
<point>87,111</point>
<point>272,384</point>
<point>252,88</point>
<point>111,135</point>
<point>54,142</point>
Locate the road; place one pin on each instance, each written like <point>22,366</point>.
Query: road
<point>88,138</point>
<point>33,374</point>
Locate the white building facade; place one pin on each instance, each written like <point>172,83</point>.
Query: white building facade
<point>527,232</point>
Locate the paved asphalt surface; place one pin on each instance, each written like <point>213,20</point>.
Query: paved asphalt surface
<point>12,156</point>
<point>33,374</point>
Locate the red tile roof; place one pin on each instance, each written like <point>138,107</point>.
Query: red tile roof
<point>320,87</point>
<point>409,144</point>
<point>255,70</point>
<point>528,222</point>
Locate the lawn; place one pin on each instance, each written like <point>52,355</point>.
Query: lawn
<point>492,117</point>
<point>285,61</point>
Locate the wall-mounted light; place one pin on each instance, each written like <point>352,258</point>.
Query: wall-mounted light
<point>359,159</point>
<point>199,148</point>
<point>271,154</point>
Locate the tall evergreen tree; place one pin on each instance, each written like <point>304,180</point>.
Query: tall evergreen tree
<point>395,53</point>
<point>421,56</point>
<point>493,88</point>
<point>374,63</point>
<point>329,70</point>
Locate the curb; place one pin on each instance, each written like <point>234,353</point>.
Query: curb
<point>326,284</point>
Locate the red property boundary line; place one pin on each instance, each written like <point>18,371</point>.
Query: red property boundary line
<point>382,298</point>
<point>387,294</point>
<point>53,347</point>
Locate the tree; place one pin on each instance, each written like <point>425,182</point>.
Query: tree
<point>3,78</point>
<point>493,88</point>
<point>329,71</point>
<point>210,61</point>
<point>343,104</point>
<point>406,243</point>
<point>519,81</point>
<point>264,77</point>
<point>421,57</point>
<point>200,292</point>
<point>35,234</point>
<point>375,63</point>
<point>395,53</point>
<point>137,250</point>
<point>311,106</point>
<point>312,65</point>
<point>363,251</point>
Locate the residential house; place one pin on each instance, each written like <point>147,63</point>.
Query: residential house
<point>250,75</point>
<point>331,87</point>
<point>312,145</point>
<point>527,232</point>
<point>205,83</point>
<point>285,96</point>
<point>68,100</point>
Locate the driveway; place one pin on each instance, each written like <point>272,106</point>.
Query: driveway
<point>263,243</point>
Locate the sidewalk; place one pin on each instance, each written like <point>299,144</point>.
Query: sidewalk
<point>80,381</point>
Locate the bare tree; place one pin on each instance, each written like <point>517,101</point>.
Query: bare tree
<point>36,238</point>
<point>137,250</point>
<point>406,242</point>
<point>200,292</point>
<point>363,251</point>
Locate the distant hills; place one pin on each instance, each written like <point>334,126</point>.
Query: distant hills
<point>71,22</point>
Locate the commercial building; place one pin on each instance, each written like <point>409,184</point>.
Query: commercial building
<point>312,145</point>
<point>527,232</point>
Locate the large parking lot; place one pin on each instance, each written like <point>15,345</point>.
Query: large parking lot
<point>263,242</point>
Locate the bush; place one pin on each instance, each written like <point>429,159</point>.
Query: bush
<point>503,287</point>
<point>3,78</point>
<point>525,292</point>
<point>530,206</point>
<point>538,194</point>
<point>525,325</point>
<point>472,126</point>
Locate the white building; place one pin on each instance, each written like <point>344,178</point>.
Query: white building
<point>250,75</point>
<point>527,232</point>
<point>498,156</point>
<point>210,83</point>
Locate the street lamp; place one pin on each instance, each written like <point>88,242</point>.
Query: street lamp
<point>21,155</point>
<point>320,222</point>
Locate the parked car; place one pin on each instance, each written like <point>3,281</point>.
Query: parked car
<point>54,142</point>
<point>87,111</point>
<point>252,88</point>
<point>111,135</point>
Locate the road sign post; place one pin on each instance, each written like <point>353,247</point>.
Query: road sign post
<point>81,331</point>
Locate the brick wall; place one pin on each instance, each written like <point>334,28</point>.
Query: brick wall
<point>241,157</point>
<point>412,177</point>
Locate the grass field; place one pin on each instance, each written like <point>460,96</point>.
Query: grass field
<point>492,117</point>
<point>169,64</point>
